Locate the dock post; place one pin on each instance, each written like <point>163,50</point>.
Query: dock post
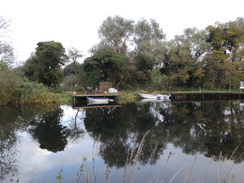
<point>74,100</point>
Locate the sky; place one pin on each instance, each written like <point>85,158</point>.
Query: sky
<point>75,23</point>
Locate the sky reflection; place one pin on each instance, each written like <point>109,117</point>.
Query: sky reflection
<point>40,165</point>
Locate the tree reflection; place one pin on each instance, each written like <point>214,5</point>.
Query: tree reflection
<point>8,141</point>
<point>120,130</point>
<point>205,127</point>
<point>76,131</point>
<point>48,130</point>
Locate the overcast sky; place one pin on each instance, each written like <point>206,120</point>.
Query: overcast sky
<point>76,22</point>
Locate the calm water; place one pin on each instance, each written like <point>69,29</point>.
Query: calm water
<point>134,142</point>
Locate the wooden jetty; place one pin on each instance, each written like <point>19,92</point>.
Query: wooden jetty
<point>206,96</point>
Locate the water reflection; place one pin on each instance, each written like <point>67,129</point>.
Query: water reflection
<point>127,134</point>
<point>8,141</point>
<point>48,131</point>
<point>205,127</point>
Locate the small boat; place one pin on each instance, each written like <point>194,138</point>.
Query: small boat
<point>155,96</point>
<point>112,90</point>
<point>242,106</point>
<point>153,100</point>
<point>98,100</point>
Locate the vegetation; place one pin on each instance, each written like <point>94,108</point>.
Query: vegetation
<point>44,66</point>
<point>208,59</point>
<point>132,56</point>
<point>105,66</point>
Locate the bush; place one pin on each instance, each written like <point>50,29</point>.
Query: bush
<point>32,92</point>
<point>9,87</point>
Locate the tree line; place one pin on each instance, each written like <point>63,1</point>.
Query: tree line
<point>136,55</point>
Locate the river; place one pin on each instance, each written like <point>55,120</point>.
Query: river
<point>135,142</point>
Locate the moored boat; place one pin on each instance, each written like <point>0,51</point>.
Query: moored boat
<point>155,96</point>
<point>98,100</point>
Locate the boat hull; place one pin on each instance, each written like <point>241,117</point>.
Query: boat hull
<point>155,96</point>
<point>98,100</point>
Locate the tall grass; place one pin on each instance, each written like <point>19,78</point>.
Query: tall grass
<point>88,173</point>
<point>18,91</point>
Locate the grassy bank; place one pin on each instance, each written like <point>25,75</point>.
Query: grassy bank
<point>32,94</point>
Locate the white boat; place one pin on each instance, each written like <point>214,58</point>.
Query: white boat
<point>155,96</point>
<point>242,106</point>
<point>153,100</point>
<point>98,100</point>
<point>112,90</point>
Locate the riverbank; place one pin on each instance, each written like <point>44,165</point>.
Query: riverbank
<point>187,95</point>
<point>132,96</point>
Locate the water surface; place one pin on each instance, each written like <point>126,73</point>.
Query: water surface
<point>134,142</point>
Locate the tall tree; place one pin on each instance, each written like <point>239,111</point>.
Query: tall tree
<point>115,32</point>
<point>44,66</point>
<point>6,50</point>
<point>149,40</point>
<point>183,64</point>
<point>225,61</point>
<point>74,54</point>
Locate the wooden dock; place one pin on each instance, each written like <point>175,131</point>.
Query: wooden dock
<point>206,96</point>
<point>97,95</point>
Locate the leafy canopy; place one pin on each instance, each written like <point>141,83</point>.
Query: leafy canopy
<point>105,66</point>
<point>44,66</point>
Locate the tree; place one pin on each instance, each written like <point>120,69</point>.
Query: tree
<point>6,51</point>
<point>44,66</point>
<point>225,61</point>
<point>144,66</point>
<point>72,69</point>
<point>105,66</point>
<point>115,32</point>
<point>74,76</point>
<point>74,54</point>
<point>182,63</point>
<point>149,40</point>
<point>49,132</point>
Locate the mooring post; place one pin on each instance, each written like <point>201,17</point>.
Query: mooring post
<point>74,100</point>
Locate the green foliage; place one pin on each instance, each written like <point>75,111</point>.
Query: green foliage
<point>72,69</point>
<point>6,50</point>
<point>105,66</point>
<point>48,130</point>
<point>74,77</point>
<point>210,58</point>
<point>3,66</point>
<point>17,90</point>
<point>149,38</point>
<point>59,176</point>
<point>158,80</point>
<point>115,33</point>
<point>44,66</point>
<point>73,82</point>
<point>225,62</point>
<point>182,64</point>
<point>144,63</point>
<point>32,92</point>
<point>10,87</point>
